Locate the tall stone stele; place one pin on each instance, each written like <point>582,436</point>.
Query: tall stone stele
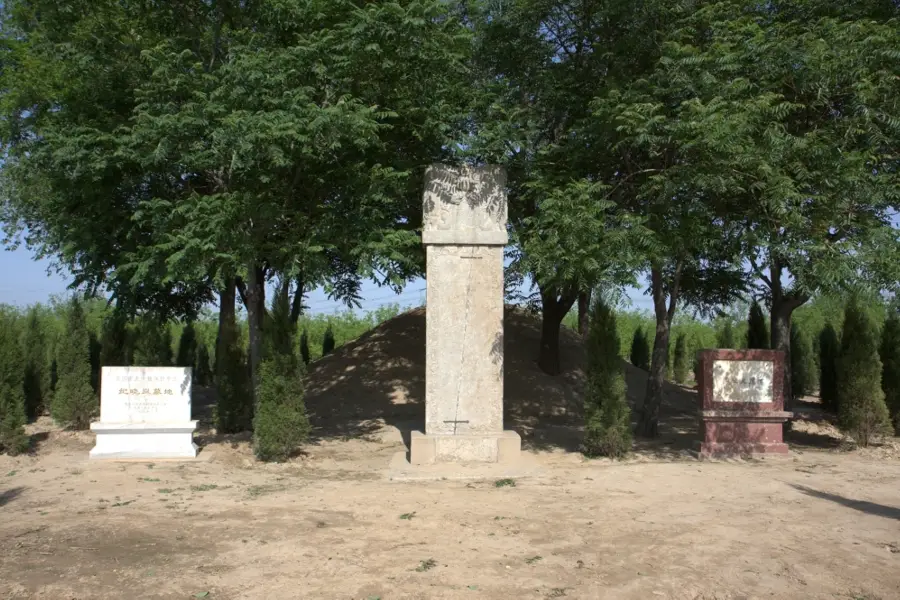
<point>464,233</point>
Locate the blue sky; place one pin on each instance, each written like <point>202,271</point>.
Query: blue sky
<point>27,281</point>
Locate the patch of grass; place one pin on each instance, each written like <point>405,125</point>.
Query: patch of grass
<point>408,516</point>
<point>43,512</point>
<point>149,479</point>
<point>75,472</point>
<point>150,465</point>
<point>533,559</point>
<point>11,473</point>
<point>505,483</point>
<point>204,487</point>
<point>557,593</point>
<point>426,565</point>
<point>126,503</point>
<point>165,490</point>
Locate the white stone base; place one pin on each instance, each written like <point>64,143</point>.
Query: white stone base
<point>144,440</point>
<point>502,447</point>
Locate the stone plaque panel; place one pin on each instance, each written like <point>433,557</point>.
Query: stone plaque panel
<point>145,395</point>
<point>744,381</point>
<point>465,205</point>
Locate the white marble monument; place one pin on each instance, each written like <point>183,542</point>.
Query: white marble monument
<point>145,412</point>
<point>464,234</point>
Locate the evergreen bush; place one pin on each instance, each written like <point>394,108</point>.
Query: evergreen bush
<point>890,372</point>
<point>187,348</point>
<point>640,350</point>
<point>328,341</point>
<point>203,372</point>
<point>681,364</point>
<point>802,364</point>
<point>234,409</point>
<point>280,422</point>
<point>153,343</point>
<point>304,347</point>
<point>861,408</point>
<point>12,396</point>
<point>114,340</point>
<point>829,349</point>
<point>607,430</point>
<point>725,337</point>
<point>36,375</point>
<point>74,401</point>
<point>757,328</point>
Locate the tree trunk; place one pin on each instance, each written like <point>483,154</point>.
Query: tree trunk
<point>648,410</point>
<point>256,307</point>
<point>297,304</point>
<point>783,306</point>
<point>584,307</point>
<point>226,321</point>
<point>553,310</point>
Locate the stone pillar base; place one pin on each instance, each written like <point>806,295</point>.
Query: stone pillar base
<point>741,433</point>
<point>500,447</point>
<point>728,450</point>
<point>144,440</point>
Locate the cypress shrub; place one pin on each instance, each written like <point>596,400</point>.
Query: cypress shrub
<point>203,372</point>
<point>114,349</point>
<point>861,408</point>
<point>187,348</point>
<point>328,341</point>
<point>725,336</point>
<point>607,430</point>
<point>681,364</point>
<point>802,364</point>
<point>36,375</point>
<point>640,349</point>
<point>12,396</point>
<point>304,347</point>
<point>280,422</point>
<point>829,348</point>
<point>94,353</point>
<point>757,329</point>
<point>74,400</point>
<point>153,343</point>
<point>234,409</point>
<point>890,373</point>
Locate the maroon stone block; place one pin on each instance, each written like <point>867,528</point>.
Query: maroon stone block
<point>730,428</point>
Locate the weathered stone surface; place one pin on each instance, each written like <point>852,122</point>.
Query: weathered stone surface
<point>465,205</point>
<point>464,233</point>
<point>743,381</point>
<point>145,412</point>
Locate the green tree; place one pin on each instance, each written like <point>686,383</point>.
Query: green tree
<point>12,398</point>
<point>304,347</point>
<point>890,374</point>
<point>757,328</point>
<point>280,423</point>
<point>328,342</point>
<point>725,337</point>
<point>153,342</point>
<point>36,376</point>
<point>74,401</point>
<point>802,365</point>
<point>861,408</point>
<point>607,429</point>
<point>682,362</point>
<point>829,350</point>
<point>640,350</point>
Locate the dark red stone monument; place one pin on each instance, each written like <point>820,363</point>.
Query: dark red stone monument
<point>741,403</point>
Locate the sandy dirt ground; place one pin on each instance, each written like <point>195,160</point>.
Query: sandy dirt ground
<point>330,524</point>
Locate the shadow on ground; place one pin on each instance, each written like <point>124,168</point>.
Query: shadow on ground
<point>870,508</point>
<point>9,495</point>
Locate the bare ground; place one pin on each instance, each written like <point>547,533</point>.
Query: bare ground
<point>824,523</point>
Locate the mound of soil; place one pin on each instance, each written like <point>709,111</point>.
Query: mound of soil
<point>381,376</point>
